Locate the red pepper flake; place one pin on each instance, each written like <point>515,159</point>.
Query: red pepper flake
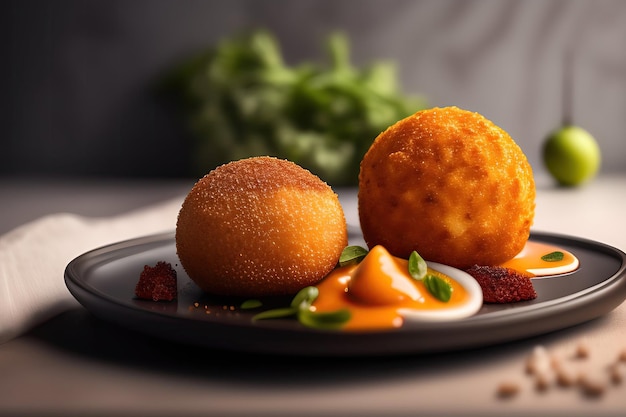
<point>157,283</point>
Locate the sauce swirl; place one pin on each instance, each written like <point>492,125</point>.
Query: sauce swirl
<point>379,292</point>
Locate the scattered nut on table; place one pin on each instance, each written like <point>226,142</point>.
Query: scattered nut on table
<point>508,389</point>
<point>549,369</point>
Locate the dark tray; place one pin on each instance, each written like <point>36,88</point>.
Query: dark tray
<point>103,281</point>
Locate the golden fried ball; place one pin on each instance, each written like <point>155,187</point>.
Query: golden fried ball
<point>259,226</point>
<point>449,184</point>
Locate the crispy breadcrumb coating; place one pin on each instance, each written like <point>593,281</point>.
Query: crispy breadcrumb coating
<point>259,226</point>
<point>449,184</point>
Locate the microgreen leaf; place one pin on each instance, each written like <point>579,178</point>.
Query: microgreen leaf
<point>325,320</point>
<point>352,255</point>
<point>417,266</point>
<point>276,313</point>
<point>438,287</point>
<point>305,297</point>
<point>553,256</point>
<point>250,304</point>
<point>301,308</point>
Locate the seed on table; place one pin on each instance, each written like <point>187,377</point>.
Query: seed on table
<point>615,374</point>
<point>543,382</point>
<point>508,389</point>
<point>539,361</point>
<point>565,376</point>
<point>582,350</point>
<point>592,384</point>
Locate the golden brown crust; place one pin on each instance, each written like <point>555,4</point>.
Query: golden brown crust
<point>259,226</point>
<point>450,184</point>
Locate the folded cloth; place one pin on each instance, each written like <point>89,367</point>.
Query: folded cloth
<point>33,258</point>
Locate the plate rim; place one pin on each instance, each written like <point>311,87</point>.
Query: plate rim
<point>612,291</point>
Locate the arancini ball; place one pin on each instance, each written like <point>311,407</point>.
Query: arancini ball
<point>259,226</point>
<point>449,184</point>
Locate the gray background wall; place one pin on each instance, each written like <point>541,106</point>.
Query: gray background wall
<point>77,77</point>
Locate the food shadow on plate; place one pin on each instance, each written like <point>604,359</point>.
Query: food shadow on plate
<point>80,333</point>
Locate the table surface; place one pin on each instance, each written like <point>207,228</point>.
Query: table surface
<point>75,364</point>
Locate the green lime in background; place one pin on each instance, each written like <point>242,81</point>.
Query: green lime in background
<point>571,155</point>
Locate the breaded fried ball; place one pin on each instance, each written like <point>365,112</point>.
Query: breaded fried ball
<point>449,184</point>
<point>260,226</point>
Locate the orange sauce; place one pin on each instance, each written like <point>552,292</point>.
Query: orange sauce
<point>529,260</point>
<point>377,290</point>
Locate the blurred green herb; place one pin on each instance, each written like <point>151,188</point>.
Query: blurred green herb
<point>241,99</point>
<point>251,304</point>
<point>300,308</point>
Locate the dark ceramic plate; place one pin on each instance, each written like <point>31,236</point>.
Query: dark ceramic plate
<point>103,281</point>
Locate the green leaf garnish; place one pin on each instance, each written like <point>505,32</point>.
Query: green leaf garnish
<point>276,313</point>
<point>352,255</point>
<point>305,297</point>
<point>301,301</point>
<point>300,307</point>
<point>438,287</point>
<point>417,266</point>
<point>326,320</point>
<point>553,256</point>
<point>250,304</point>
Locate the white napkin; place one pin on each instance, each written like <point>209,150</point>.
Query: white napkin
<point>33,258</point>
